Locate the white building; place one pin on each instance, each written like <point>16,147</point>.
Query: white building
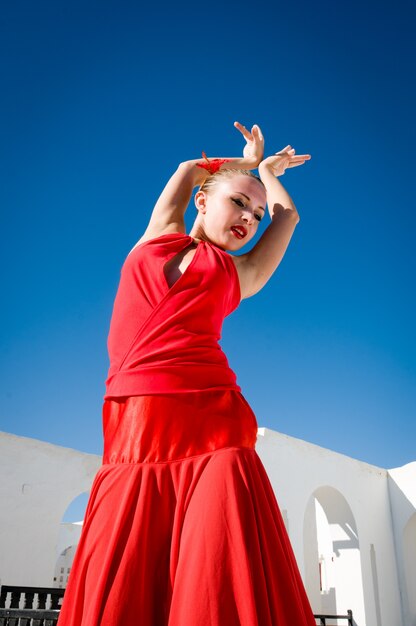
<point>352,525</point>
<point>68,538</point>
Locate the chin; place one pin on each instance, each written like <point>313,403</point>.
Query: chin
<point>230,242</point>
<point>237,244</point>
<point>240,243</point>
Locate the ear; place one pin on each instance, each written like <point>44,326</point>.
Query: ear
<point>200,201</point>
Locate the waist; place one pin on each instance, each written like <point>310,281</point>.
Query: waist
<point>169,379</point>
<point>162,428</point>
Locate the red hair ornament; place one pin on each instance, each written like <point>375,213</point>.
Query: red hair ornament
<point>213,165</point>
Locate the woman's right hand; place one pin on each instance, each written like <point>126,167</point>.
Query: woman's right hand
<point>254,148</point>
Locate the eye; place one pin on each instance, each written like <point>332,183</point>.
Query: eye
<point>258,217</point>
<point>238,201</point>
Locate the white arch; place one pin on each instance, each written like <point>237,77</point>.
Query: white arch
<point>75,510</point>
<point>63,567</point>
<point>68,539</point>
<point>333,573</point>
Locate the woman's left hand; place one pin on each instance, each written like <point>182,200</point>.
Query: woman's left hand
<point>283,159</point>
<point>254,148</point>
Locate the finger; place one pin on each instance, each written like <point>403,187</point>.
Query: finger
<point>257,133</point>
<point>301,157</point>
<point>284,150</point>
<point>243,130</point>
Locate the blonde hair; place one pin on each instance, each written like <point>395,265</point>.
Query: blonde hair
<point>225,174</point>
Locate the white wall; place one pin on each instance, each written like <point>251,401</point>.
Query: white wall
<point>402,488</point>
<point>299,471</point>
<point>38,481</point>
<point>69,535</point>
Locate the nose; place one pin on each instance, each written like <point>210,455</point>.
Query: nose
<point>248,217</point>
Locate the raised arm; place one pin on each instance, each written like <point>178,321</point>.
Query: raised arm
<point>262,260</point>
<point>168,214</point>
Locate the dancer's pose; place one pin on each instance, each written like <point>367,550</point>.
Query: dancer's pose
<point>182,526</point>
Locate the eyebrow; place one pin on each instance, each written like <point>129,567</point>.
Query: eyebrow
<point>243,194</point>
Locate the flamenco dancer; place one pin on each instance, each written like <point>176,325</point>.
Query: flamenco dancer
<point>182,526</point>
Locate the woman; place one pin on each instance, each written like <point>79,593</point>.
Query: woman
<point>182,527</point>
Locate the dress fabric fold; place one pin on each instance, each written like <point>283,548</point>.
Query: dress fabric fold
<point>182,526</point>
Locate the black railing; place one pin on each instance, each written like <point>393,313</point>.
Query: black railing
<point>30,606</point>
<point>40,606</point>
<point>23,617</point>
<point>322,619</point>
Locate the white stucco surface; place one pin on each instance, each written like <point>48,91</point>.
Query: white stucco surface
<point>300,472</point>
<point>38,481</point>
<point>402,490</point>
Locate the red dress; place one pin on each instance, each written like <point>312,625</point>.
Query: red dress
<point>182,526</point>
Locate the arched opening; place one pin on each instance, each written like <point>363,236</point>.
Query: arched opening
<point>63,567</point>
<point>75,511</point>
<point>333,574</point>
<point>409,558</point>
<point>69,533</point>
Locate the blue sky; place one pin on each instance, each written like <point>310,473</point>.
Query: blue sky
<point>101,101</point>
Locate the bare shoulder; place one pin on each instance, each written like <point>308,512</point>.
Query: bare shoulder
<point>153,232</point>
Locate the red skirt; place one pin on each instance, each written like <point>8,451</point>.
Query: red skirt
<point>182,526</point>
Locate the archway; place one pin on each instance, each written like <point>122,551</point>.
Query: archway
<point>69,533</point>
<point>333,574</point>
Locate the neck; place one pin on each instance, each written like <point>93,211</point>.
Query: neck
<point>197,233</point>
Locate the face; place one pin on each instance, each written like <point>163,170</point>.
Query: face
<point>231,212</point>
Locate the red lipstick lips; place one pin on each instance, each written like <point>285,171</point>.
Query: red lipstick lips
<point>239,231</point>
